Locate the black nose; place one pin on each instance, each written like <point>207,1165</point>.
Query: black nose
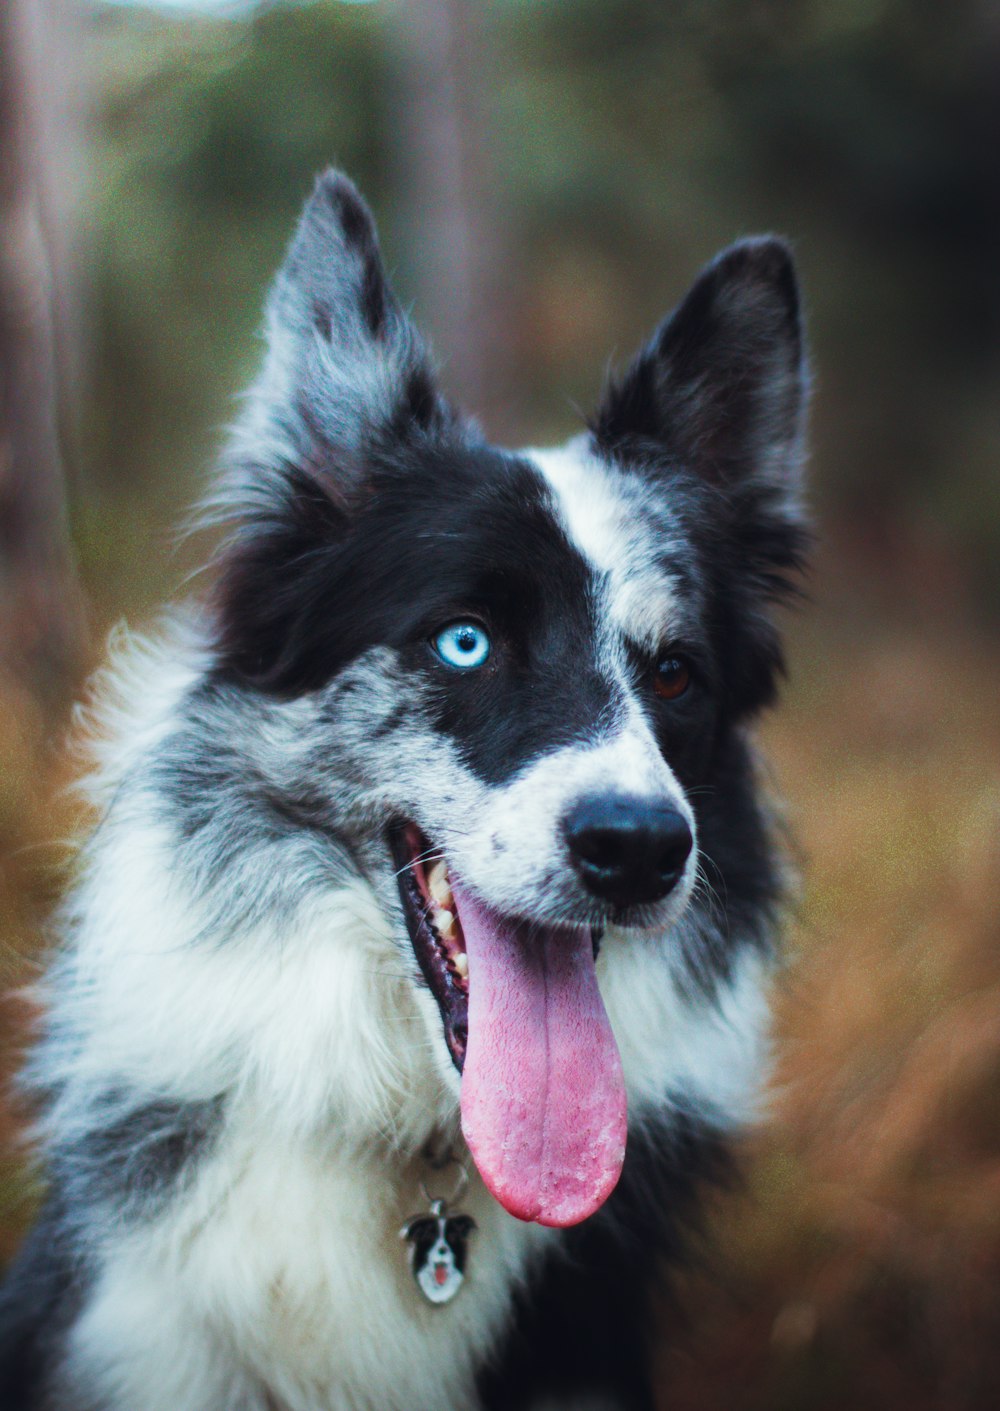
<point>627,850</point>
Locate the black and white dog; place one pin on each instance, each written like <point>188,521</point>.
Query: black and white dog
<point>432,890</point>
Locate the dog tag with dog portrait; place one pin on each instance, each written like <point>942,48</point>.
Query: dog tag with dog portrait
<point>438,1244</point>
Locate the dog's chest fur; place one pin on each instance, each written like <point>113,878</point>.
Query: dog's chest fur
<point>274,1275</point>
<point>294,1257</point>
<point>270,1272</point>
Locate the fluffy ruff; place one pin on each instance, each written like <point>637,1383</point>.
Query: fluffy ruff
<point>436,826</point>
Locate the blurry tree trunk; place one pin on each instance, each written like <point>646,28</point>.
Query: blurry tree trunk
<point>446,70</point>
<point>40,605</point>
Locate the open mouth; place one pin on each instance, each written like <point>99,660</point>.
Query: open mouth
<point>435,932</point>
<point>543,1095</point>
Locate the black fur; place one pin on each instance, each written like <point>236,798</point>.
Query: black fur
<point>41,1295</point>
<point>720,381</point>
<point>712,411</point>
<point>302,600</point>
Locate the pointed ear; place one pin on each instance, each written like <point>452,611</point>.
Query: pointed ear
<point>714,408</point>
<point>345,376</point>
<point>344,366</point>
<point>721,386</point>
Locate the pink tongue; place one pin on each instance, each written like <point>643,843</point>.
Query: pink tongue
<point>543,1098</point>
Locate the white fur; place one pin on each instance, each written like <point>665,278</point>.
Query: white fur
<point>619,528</point>
<point>292,1255</point>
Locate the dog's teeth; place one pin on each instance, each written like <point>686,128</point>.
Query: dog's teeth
<point>437,883</point>
<point>461,964</point>
<point>441,893</point>
<point>444,921</point>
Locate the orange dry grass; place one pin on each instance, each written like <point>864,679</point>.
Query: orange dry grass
<point>864,1270</point>
<point>37,818</point>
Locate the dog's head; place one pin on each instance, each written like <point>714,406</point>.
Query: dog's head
<point>529,672</point>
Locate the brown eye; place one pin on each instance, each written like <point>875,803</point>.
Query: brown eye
<point>671,678</point>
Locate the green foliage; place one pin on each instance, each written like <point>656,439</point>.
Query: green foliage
<point>628,140</point>
<point>207,136</point>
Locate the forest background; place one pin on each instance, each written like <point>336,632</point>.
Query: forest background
<point>548,176</point>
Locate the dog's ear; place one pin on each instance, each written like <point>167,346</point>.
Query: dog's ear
<point>716,401</point>
<point>346,379</point>
<point>345,368</point>
<point>721,386</point>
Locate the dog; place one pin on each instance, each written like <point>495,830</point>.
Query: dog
<point>416,973</point>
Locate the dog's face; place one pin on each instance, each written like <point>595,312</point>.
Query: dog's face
<point>526,670</point>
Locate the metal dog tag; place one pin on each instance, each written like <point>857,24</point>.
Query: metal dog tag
<point>438,1247</point>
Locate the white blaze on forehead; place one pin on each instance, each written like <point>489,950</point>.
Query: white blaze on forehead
<point>608,519</point>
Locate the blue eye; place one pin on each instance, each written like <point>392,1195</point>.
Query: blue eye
<point>465,645</point>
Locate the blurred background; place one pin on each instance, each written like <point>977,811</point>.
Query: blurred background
<point>548,176</point>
